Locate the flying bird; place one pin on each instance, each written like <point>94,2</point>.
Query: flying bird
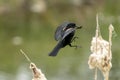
<point>64,34</point>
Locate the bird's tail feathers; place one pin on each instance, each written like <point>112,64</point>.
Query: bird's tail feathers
<point>56,49</point>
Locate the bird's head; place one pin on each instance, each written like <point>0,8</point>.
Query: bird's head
<point>71,25</point>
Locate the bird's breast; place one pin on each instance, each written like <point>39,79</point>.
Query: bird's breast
<point>67,39</point>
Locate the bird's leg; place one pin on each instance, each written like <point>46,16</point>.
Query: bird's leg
<point>74,46</point>
<point>74,38</point>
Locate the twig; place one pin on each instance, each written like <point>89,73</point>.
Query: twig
<point>25,55</point>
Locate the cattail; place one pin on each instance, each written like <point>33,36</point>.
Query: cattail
<point>37,73</point>
<point>101,52</point>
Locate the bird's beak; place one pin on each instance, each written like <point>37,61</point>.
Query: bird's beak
<point>78,27</point>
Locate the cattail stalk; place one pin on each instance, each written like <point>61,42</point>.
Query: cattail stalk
<point>101,52</point>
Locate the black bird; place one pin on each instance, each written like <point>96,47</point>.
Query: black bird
<point>64,34</point>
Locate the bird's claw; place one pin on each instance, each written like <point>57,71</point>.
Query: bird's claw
<point>74,46</point>
<point>74,39</point>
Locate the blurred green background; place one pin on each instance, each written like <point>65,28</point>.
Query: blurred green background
<point>30,25</point>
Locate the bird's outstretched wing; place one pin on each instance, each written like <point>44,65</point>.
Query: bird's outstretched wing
<point>59,31</point>
<point>67,32</point>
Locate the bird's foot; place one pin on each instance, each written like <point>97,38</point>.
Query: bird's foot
<point>76,46</point>
<point>74,39</point>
